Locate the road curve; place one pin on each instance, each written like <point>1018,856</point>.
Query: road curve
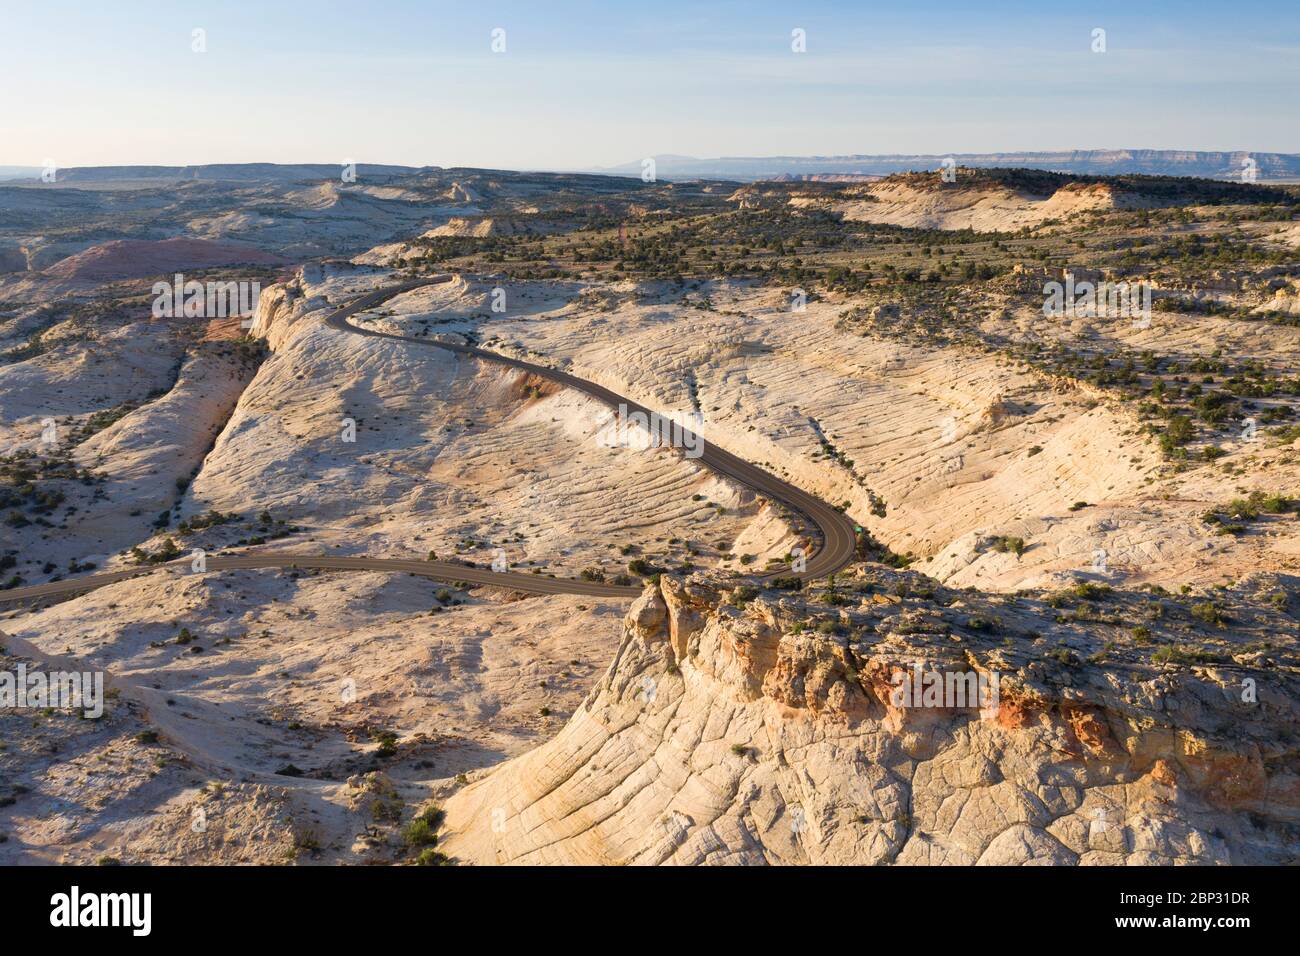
<point>838,547</point>
<point>438,570</point>
<point>839,535</point>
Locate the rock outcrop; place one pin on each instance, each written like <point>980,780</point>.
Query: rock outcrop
<point>773,733</point>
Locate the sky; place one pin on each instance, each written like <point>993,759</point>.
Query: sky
<point>583,85</point>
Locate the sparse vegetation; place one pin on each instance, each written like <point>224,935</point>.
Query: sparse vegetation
<point>422,831</point>
<point>1006,544</point>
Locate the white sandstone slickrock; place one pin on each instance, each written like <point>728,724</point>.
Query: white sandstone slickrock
<point>720,735</point>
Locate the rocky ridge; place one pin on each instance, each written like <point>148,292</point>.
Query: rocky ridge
<point>736,726</point>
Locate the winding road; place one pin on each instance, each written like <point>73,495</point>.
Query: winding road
<point>839,537</point>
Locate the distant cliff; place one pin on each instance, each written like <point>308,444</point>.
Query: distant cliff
<point>1098,162</point>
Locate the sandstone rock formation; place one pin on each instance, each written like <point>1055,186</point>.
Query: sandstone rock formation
<point>736,735</point>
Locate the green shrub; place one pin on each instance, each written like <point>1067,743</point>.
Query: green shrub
<point>387,742</point>
<point>1178,432</point>
<point>1243,509</point>
<point>1274,504</point>
<point>1209,613</point>
<point>1063,655</point>
<point>423,830</point>
<point>1006,544</point>
<point>1090,590</point>
<point>1172,654</point>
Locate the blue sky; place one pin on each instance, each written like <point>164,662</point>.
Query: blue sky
<point>594,84</point>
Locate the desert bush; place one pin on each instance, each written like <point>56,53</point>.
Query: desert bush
<point>1174,654</point>
<point>423,830</point>
<point>1089,590</point>
<point>387,741</point>
<point>1006,544</point>
<point>1178,432</point>
<point>1209,613</point>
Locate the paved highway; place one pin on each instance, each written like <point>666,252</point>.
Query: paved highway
<point>438,570</point>
<point>839,537</point>
<point>837,548</point>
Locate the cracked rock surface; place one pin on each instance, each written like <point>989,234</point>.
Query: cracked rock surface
<point>768,733</point>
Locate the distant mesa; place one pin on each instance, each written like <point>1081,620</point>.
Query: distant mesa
<point>19,172</point>
<point>229,172</point>
<point>827,178</point>
<point>992,199</point>
<point>1220,164</point>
